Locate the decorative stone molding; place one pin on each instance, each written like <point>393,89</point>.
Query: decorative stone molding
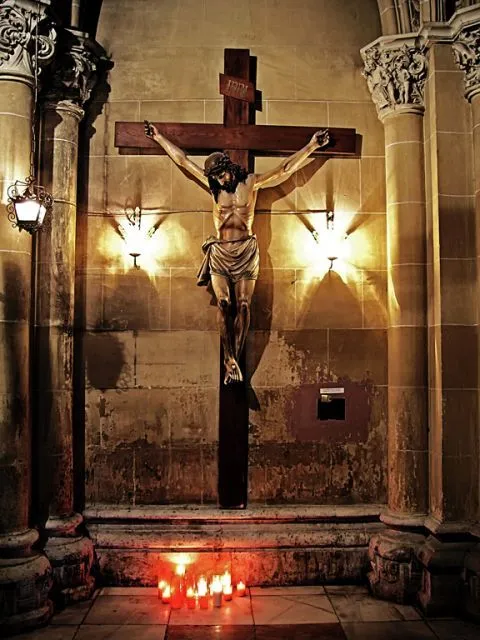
<point>396,77</point>
<point>25,29</point>
<point>75,69</point>
<point>414,10</point>
<point>466,50</point>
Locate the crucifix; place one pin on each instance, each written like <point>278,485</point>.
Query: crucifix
<point>231,259</point>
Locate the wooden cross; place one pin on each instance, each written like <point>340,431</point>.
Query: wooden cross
<point>236,135</point>
<point>242,140</point>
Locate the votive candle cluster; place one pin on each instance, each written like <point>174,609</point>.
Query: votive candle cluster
<point>181,591</point>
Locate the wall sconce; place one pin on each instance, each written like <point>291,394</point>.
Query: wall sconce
<point>133,235</point>
<point>333,243</point>
<point>28,202</point>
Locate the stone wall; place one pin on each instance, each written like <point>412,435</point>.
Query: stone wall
<point>150,348</point>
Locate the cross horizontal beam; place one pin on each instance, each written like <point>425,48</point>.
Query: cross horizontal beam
<point>262,140</point>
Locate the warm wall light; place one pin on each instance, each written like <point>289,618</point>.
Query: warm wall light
<point>333,242</point>
<point>28,202</point>
<point>133,235</point>
<point>137,237</point>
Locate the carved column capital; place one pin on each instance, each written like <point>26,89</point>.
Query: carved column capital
<point>75,70</point>
<point>25,28</point>
<point>466,50</point>
<point>396,77</point>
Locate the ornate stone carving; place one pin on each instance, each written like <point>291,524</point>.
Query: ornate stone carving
<point>395,77</point>
<point>74,71</point>
<point>466,50</point>
<point>414,11</point>
<point>25,30</point>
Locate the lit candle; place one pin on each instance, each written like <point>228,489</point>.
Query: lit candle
<point>190,598</point>
<point>179,578</point>
<point>226,579</point>
<point>202,588</point>
<point>227,592</point>
<point>166,593</point>
<point>176,600</point>
<point>161,586</point>
<point>217,591</point>
<point>241,589</point>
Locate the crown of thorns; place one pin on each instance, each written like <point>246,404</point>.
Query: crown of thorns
<point>216,163</point>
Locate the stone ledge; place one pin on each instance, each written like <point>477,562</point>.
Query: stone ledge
<point>262,545</point>
<point>253,514</point>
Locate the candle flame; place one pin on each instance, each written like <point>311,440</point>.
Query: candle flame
<point>226,579</point>
<point>202,587</point>
<point>216,586</point>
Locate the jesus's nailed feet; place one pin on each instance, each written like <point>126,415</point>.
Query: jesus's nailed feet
<point>232,371</point>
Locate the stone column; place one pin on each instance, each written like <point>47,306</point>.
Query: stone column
<point>396,77</point>
<point>466,49</point>
<point>25,575</point>
<point>72,77</point>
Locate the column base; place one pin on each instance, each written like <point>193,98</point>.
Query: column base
<point>72,560</point>
<point>443,576</point>
<point>71,557</point>
<point>472,583</point>
<point>25,584</point>
<point>396,572</point>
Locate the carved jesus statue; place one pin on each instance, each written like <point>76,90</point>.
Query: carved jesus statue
<point>231,258</point>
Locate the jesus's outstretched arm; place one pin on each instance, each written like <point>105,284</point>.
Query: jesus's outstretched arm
<point>175,153</point>
<point>291,164</point>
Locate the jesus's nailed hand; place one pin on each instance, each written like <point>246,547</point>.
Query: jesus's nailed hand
<point>150,129</point>
<point>322,138</point>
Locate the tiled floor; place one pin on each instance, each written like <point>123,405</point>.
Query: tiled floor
<point>274,613</point>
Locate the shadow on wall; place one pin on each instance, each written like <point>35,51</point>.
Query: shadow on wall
<point>328,298</point>
<point>104,359</point>
<point>262,304</point>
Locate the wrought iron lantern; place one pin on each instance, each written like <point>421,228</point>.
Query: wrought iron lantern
<point>27,204</point>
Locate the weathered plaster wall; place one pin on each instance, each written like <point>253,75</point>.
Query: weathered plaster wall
<point>150,347</point>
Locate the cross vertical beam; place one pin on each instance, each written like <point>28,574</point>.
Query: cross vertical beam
<point>233,409</point>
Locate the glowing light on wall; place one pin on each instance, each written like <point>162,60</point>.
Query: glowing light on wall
<point>136,237</point>
<point>332,242</point>
<point>182,559</point>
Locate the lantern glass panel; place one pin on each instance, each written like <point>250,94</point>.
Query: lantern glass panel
<point>29,211</point>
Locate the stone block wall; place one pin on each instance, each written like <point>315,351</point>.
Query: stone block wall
<point>150,348</point>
